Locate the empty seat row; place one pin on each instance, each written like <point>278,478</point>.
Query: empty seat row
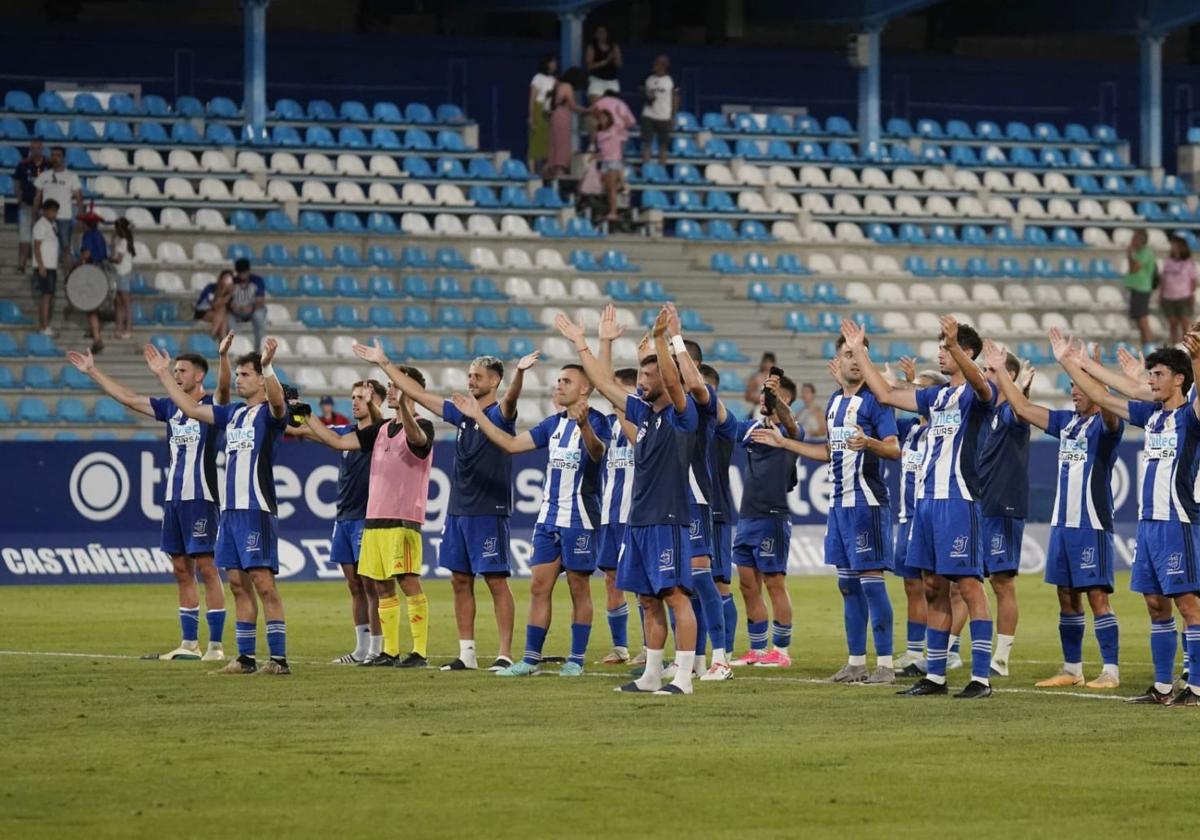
<point>66,410</point>
<point>755,262</point>
<point>931,179</point>
<point>42,378</point>
<point>1010,267</point>
<point>381,286</point>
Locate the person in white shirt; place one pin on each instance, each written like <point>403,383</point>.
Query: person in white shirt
<point>121,255</point>
<point>45,262</point>
<point>658,114</point>
<point>62,185</point>
<point>541,102</point>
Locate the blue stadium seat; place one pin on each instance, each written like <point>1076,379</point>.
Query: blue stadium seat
<point>653,291</point>
<point>351,137</point>
<point>319,136</point>
<point>142,316</point>
<point>988,130</point>
<point>450,141</point>
<point>1046,132</point>
<point>915,265</point>
<point>289,109</point>
<point>581,227</point>
<point>50,102</point>
<point>761,292</point>
<point>614,260</point>
<point>963,156</point>
<point>1110,159</point>
<point>959,130</point>
<point>515,169</point>
<point>973,235</point>
<point>383,317</point>
<point>548,198</point>
<point>346,222</point>
<point>312,316</point>
<point>416,347</point>
<point>756,262</point>
<point>382,286</point>
<point>482,168</point>
<point>1052,158</point>
<point>1106,134</point>
<point>108,410</point>
<point>483,196</point>
<point>749,149</point>
<point>1015,130</point>
<point>381,256</point>
<point>584,260</point>
<point>277,286</point>
<point>38,377</point>
<point>943,235</point>
<point>385,139</point>
<point>201,343</point>
<point>548,227</point>
<point>382,223</point>
<point>486,318</point>
<point>122,103</point>
<point>724,350</point>
<point>810,151</point>
<point>321,110</point>
<point>721,230</point>
<point>417,318</point>
<point>898,127</point>
<point>449,257</point>
<point>687,228</point>
<point>912,234</point>
<point>718,201</point>
<point>239,251</point>
<point>685,147</point>
<point>223,107</point>
<point>484,288</point>
<point>347,316</point>
<point>33,410</point>
<point>353,111</point>
<point>346,286</point>
<point>450,168</point>
<point>311,285</point>
<point>449,114</point>
<point>798,322</point>
<point>387,112</point>
<point>348,256</point>
<point>19,100</point>
<point>278,220</point>
<point>313,221</point>
<point>418,112</point>
<point>189,107</point>
<point>166,313</point>
<point>165,342</point>
<point>70,410</point>
<point>10,313</point>
<point>792,292</point>
<point>155,106</point>
<point>219,134</point>
<point>655,200</point>
<point>723,263</point>
<point>841,151</point>
<point>313,255</point>
<point>1036,236</point>
<point>1103,269</point>
<point>978,267</point>
<point>416,167</point>
<point>417,139</point>
<point>519,318</point>
<point>929,129</point>
<point>619,291</point>
<point>713,121</point>
<point>950,267</point>
<point>7,382</point>
<point>40,345</point>
<point>82,131</point>
<point>414,286</point>
<point>653,172</point>
<point>485,345</point>
<point>50,130</point>
<point>8,346</point>
<point>1065,237</point>
<point>446,287</point>
<point>932,153</point>
<point>14,129</point>
<point>414,256</point>
<point>243,220</point>
<point>514,196</point>
<point>453,348</point>
<point>839,126</point>
<point>285,135</point>
<point>716,147</point>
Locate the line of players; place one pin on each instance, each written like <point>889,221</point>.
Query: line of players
<point>659,518</point>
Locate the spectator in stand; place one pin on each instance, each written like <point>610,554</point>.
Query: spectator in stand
<point>1178,288</point>
<point>561,139</point>
<point>249,300</point>
<point>33,165</point>
<point>212,306</point>
<point>541,103</point>
<point>44,238</point>
<point>331,416</point>
<point>121,255</point>
<point>658,113</point>
<point>93,250</point>
<point>810,417</point>
<point>613,122</point>
<point>754,387</point>
<point>603,59</point>
<point>62,185</point>
<point>1140,282</point>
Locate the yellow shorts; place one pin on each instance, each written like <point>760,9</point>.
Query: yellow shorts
<point>387,552</point>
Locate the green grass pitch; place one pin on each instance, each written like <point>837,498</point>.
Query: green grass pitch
<point>104,745</point>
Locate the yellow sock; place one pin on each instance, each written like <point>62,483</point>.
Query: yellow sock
<point>418,622</point>
<point>389,617</point>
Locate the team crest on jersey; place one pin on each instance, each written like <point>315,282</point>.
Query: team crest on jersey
<point>958,548</point>
<point>767,547</point>
<point>581,543</point>
<point>995,421</point>
<point>489,547</point>
<point>666,560</point>
<point>657,422</point>
<point>997,544</point>
<point>862,542</point>
<point>1175,564</point>
<point>1087,558</point>
<point>200,528</point>
<point>253,541</point>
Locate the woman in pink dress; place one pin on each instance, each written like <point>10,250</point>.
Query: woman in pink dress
<point>1177,288</point>
<point>563,105</point>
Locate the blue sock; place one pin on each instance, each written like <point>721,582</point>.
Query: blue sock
<point>981,648</point>
<point>1108,636</point>
<point>618,625</point>
<point>757,631</point>
<point>580,633</point>
<point>731,617</point>
<point>880,607</point>
<point>916,637</point>
<point>1162,649</point>
<point>936,644</point>
<point>854,609</point>
<point>535,639</point>
<point>710,602</point>
<point>1187,658</point>
<point>277,639</point>
<point>1071,627</point>
<point>247,632</point>
<point>701,624</point>
<point>781,635</point>
<point>189,623</point>
<point>642,621</point>
<point>216,626</point>
<point>1193,650</point>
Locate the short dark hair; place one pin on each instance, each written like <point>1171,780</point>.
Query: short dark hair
<point>573,366</point>
<point>1013,365</point>
<point>626,376</point>
<point>57,148</point>
<point>193,359</point>
<point>805,385</point>
<point>413,374</point>
<point>1176,360</point>
<point>694,350</point>
<point>545,62</point>
<point>710,373</point>
<point>767,356</point>
<point>374,385</point>
<point>841,342</point>
<point>575,77</point>
<point>786,384</point>
<point>490,363</point>
<point>241,264</point>
<point>1185,253</point>
<point>50,204</point>
<point>250,359</point>
<point>968,340</point>
<point>652,359</point>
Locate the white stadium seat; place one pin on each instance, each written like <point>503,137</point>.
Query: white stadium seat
<point>1050,320</point>
<point>547,314</point>
<point>383,166</point>
<point>588,316</point>
<point>953,294</point>
<point>750,176</point>
<point>111,158</point>
<point>1025,324</point>
<point>484,258</point>
<point>206,253</point>
<point>516,258</point>
<point>818,232</point>
<point>142,187</point>
<point>718,174</point>
<point>1077,295</point>
<point>343,378</point>
<point>142,219</point>
<point>550,259</point>
<point>170,253</point>
<point>1090,208</point>
<point>896,322</point>
<point>815,203</point>
<point>905,179</point>
<point>1060,208</point>
<point>626,318</point>
<point>181,160</point>
<point>1000,206</point>
<point>310,379</point>
<point>213,189</point>
<point>1045,294</point>
<point>481,225</point>
<point>986,294</point>
<point>860,293</point>
<point>316,163</point>
<point>843,176</point>
<point>970,207</point>
<point>316,192</point>
<point>180,189</point>
<point>278,315</point>
<point>1157,239</point>
<point>847,204</point>
<point>910,205</point>
<point>214,160</point>
<point>1121,237</point>
<point>106,186</point>
<point>342,346</point>
<point>454,379</point>
<point>1119,208</point>
<point>926,322</point>
<point>1026,181</point>
<point>381,192</point>
<point>584,288</point>
<point>415,223</point>
<point>784,202</point>
<point>350,192</point>
<point>249,162</point>
<point>922,293</point>
<point>965,179</point>
<point>1031,208</point>
<point>781,176</point>
<point>311,347</point>
<point>813,176</point>
<point>625,350</point>
<point>148,160</point>
<point>416,194</point>
<point>940,207</point>
<point>1016,295</point>
<point>935,179</point>
<point>822,264</point>
<point>1110,297</point>
<point>247,189</point>
<point>515,226</point>
<point>997,181</point>
<point>286,163</point>
<point>1057,182</point>
<point>853,264</point>
<point>351,166</point>
<point>447,224</point>
<point>785,231</point>
<point>279,190</point>
<point>169,283</point>
<point>874,179</point>
<point>752,202</point>
<point>450,195</point>
<point>992,323</point>
<point>878,205</point>
<point>1086,324</point>
<point>1094,236</point>
<point>200,279</point>
<point>890,294</point>
<point>519,288</point>
<point>885,264</point>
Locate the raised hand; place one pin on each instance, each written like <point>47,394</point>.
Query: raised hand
<point>1132,366</point>
<point>526,362</point>
<point>157,360</point>
<point>570,330</point>
<point>857,442</point>
<point>949,330</point>
<point>468,405</point>
<point>908,366</point>
<point>768,436</point>
<point>645,347</point>
<point>889,375</point>
<point>835,371</point>
<point>854,333</point>
<point>771,383</point>
<point>994,355</point>
<point>1058,343</point>
<point>226,343</point>
<point>270,346</point>
<point>83,362</point>
<point>578,412</point>
<point>662,322</point>
<point>372,353</point>
<point>1025,377</point>
<point>673,325</point>
<point>1191,343</point>
<point>609,329</point>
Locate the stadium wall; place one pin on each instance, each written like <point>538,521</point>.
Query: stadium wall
<point>73,513</point>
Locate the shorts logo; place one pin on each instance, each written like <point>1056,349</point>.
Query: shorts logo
<point>694,529</point>
<point>1175,564</point>
<point>767,547</point>
<point>253,541</point>
<point>581,543</point>
<point>489,547</point>
<point>997,544</point>
<point>958,548</point>
<point>862,543</point>
<point>200,527</point>
<point>1087,558</point>
<point>666,560</point>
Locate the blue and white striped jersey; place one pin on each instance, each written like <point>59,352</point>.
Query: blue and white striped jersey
<point>618,476</point>
<point>571,493</point>
<point>955,416</point>
<point>251,440</point>
<point>700,488</point>
<point>856,476</point>
<point>192,473</point>
<point>1087,451</point>
<point>912,459</point>
<point>1170,456</point>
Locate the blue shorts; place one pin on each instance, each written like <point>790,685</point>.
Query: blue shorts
<point>700,532</point>
<point>763,543</point>
<point>247,539</point>
<point>346,541</point>
<point>859,539</point>
<point>189,527</point>
<point>653,560</point>
<point>575,546</point>
<point>1080,558</point>
<point>900,565</point>
<point>945,540</point>
<point>475,545</point>
<point>1000,544</point>
<point>722,556</point>
<point>1164,562</point>
<point>610,538</point>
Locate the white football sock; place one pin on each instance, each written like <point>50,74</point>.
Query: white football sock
<point>683,677</point>
<point>362,640</point>
<point>651,678</point>
<point>883,662</point>
<point>375,646</point>
<point>466,652</point>
<point>856,660</point>
<point>1003,647</point>
<point>1075,669</point>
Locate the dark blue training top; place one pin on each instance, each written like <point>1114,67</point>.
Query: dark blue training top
<point>720,455</point>
<point>482,483</point>
<point>1004,464</point>
<point>770,474</point>
<point>661,457</point>
<point>354,478</point>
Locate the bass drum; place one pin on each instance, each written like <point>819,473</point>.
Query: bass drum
<point>90,288</point>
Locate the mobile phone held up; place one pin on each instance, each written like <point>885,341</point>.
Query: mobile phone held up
<point>769,399</point>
